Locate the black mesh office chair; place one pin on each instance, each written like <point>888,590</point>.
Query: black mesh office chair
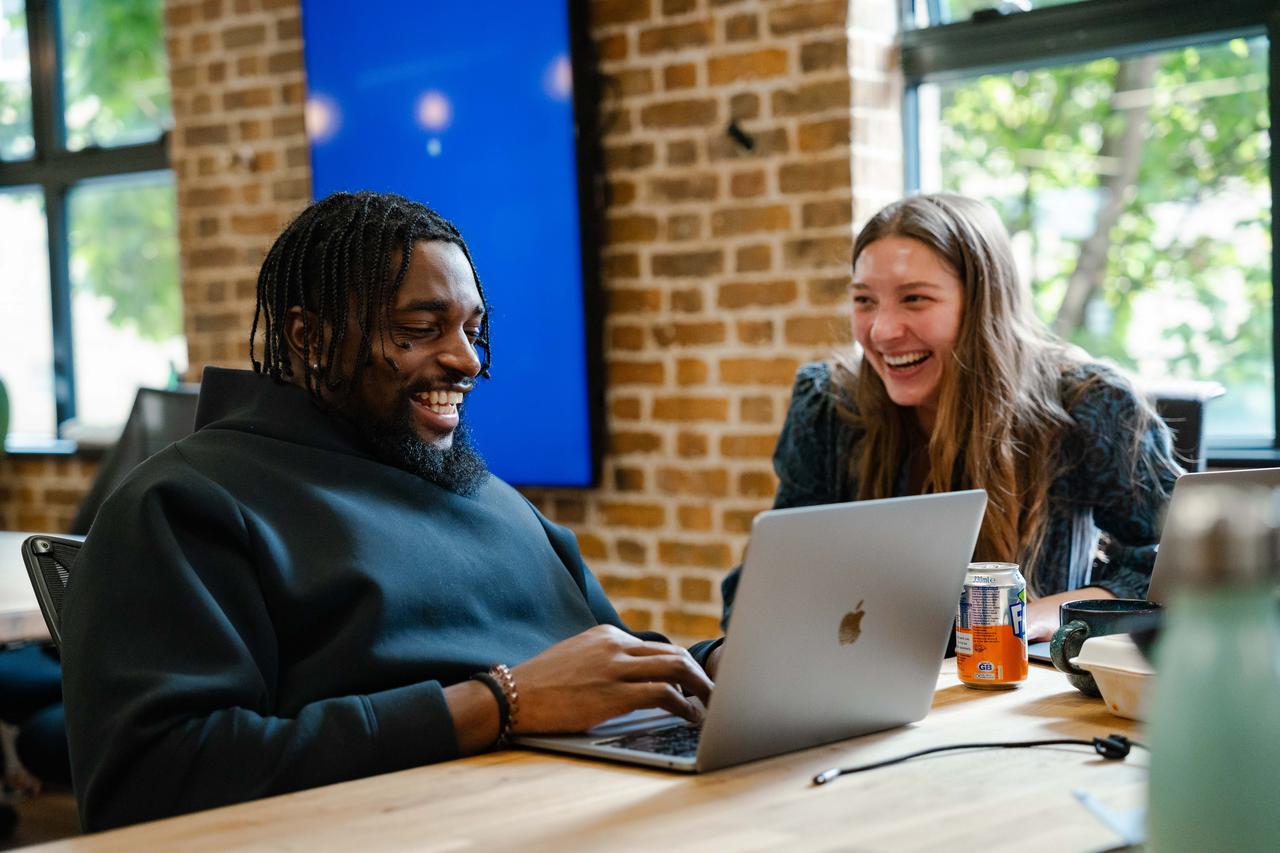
<point>49,561</point>
<point>1181,405</point>
<point>158,419</point>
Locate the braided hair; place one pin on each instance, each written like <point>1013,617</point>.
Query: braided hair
<point>336,258</point>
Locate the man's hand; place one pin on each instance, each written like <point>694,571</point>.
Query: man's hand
<point>601,673</point>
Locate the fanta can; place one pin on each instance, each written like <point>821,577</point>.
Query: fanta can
<point>991,631</point>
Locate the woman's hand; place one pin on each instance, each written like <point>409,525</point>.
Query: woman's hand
<point>1043,616</point>
<point>601,673</point>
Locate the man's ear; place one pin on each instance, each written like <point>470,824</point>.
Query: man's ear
<point>302,334</point>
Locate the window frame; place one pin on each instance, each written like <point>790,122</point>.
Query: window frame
<point>1079,32</point>
<point>55,169</point>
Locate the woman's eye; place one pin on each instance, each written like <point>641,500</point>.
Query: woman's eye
<point>861,301</point>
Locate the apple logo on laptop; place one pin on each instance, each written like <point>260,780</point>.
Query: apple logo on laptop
<point>851,626</point>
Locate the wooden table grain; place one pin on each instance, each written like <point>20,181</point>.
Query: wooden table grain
<point>997,800</point>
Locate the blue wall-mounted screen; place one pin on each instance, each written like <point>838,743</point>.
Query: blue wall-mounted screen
<point>468,108</point>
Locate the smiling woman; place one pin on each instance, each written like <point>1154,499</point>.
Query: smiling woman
<point>957,386</point>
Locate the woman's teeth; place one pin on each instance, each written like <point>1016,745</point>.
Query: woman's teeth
<point>907,359</point>
<point>440,402</point>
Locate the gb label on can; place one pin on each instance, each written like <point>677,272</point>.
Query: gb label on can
<point>991,632</point>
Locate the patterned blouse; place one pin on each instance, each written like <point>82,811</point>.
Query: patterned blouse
<point>1110,482</point>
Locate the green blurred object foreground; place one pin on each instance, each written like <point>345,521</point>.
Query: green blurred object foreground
<point>1214,749</point>
<point>4,414</point>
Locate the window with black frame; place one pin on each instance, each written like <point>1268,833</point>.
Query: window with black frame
<point>1126,144</point>
<point>90,305</point>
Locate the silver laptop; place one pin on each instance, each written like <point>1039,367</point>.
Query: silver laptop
<point>839,627</point>
<point>1183,486</point>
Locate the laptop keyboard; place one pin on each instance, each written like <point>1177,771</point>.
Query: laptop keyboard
<point>679,740</point>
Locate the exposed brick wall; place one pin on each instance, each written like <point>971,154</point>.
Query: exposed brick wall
<point>724,269</point>
<point>42,493</point>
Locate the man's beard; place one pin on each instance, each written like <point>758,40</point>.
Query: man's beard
<point>460,468</point>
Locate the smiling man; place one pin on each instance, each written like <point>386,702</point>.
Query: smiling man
<point>324,582</point>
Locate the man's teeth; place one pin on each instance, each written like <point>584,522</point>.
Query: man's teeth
<point>906,359</point>
<point>441,402</point>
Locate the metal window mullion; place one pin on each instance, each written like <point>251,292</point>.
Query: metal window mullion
<point>49,130</point>
<point>1273,43</point>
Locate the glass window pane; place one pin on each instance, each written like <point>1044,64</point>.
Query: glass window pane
<point>126,303</point>
<point>951,11</point>
<point>26,336</point>
<point>114,72</point>
<point>16,141</point>
<point>1137,193</point>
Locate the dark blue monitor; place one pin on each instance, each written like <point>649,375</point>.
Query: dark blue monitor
<point>469,108</point>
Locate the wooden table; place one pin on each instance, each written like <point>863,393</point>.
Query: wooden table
<point>1015,800</point>
<point>20,617</point>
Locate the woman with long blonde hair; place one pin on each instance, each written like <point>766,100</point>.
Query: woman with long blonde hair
<point>958,386</point>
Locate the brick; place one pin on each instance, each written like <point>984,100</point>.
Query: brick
<point>635,155</point>
<point>824,55</point>
<point>754,332</point>
<point>692,445</point>
<point>745,27</point>
<point>261,224</point>
<point>634,300</point>
<point>812,98</point>
<point>249,66</point>
<point>810,15</point>
<point>615,265</point>
<point>636,620</point>
<point>684,226</point>
<point>631,551</point>
<point>753,258</point>
<point>631,229</point>
<point>675,37</point>
<point>711,556</point>
<point>678,7</point>
<point>213,258</point>
<point>246,36</point>
<point>571,511</point>
<point>284,63</point>
<point>733,221</point>
<point>247,98</point>
<point>216,72</point>
<point>283,126</point>
<point>612,48</point>
<point>626,338</point>
<point>625,442</point>
<point>758,371</point>
<point>818,252</point>
<point>737,520</point>
<point>710,483</point>
<point>689,409</point>
<point>827,291</point>
<point>826,214</point>
<point>765,143</point>
<point>606,12</point>
<point>687,264</point>
<point>592,547</point>
<point>682,152</point>
<point>757,484</point>
<point>687,301</point>
<point>696,589</point>
<point>631,82</point>
<point>747,184</point>
<point>628,479</point>
<point>682,76</point>
<point>748,446</point>
<point>636,373</point>
<point>819,176</point>
<point>817,331</point>
<point>616,122</point>
<point>757,410</point>
<point>289,29</point>
<point>618,514</point>
<point>625,409</point>
<point>691,371</point>
<point>752,65</point>
<point>621,193</point>
<point>824,135</point>
<point>745,105</point>
<point>694,112</point>
<point>690,334</point>
<point>681,624</point>
<point>645,586</point>
<point>201,43</point>
<point>208,134</point>
<point>696,187</point>
<point>743,294</point>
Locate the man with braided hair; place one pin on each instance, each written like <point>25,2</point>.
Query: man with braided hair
<point>323,582</point>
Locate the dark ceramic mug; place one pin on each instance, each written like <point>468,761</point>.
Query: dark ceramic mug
<point>1096,618</point>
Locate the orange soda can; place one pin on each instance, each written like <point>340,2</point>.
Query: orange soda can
<point>991,631</point>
